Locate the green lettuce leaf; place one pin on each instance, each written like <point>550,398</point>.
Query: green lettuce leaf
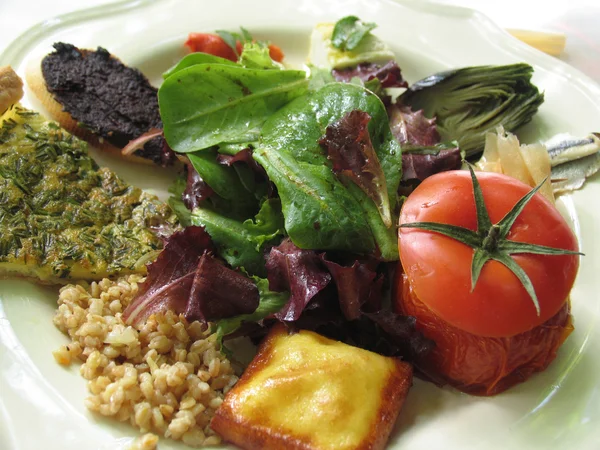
<point>321,211</point>
<point>242,243</point>
<point>255,55</point>
<point>207,104</point>
<point>176,203</point>
<point>196,58</point>
<point>319,77</point>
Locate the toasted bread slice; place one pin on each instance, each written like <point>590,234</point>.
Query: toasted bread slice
<point>35,82</point>
<point>96,97</point>
<point>304,391</point>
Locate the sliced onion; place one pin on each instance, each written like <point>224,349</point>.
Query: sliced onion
<point>139,142</point>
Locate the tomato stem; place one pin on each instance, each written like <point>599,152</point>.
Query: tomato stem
<point>491,241</point>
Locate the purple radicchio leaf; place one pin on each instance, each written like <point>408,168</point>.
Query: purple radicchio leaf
<point>383,331</point>
<point>421,164</point>
<point>349,148</point>
<point>357,286</point>
<point>196,190</point>
<point>188,280</point>
<point>167,156</point>
<point>422,153</point>
<point>171,276</point>
<point>413,128</point>
<point>298,271</point>
<point>243,156</point>
<point>218,292</point>
<point>389,74</point>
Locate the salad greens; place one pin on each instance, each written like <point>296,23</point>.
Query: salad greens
<point>283,165</point>
<point>222,179</point>
<point>242,242</point>
<point>256,56</point>
<point>321,210</point>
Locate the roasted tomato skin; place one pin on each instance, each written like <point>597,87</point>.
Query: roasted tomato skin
<point>439,268</point>
<point>481,365</point>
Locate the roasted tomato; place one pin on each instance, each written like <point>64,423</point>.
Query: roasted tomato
<point>482,365</point>
<point>493,333</point>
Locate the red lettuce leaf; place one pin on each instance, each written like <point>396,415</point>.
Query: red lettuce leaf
<point>349,148</point>
<point>188,280</point>
<point>383,331</point>
<point>196,190</point>
<point>410,127</point>
<point>318,305</point>
<point>357,286</point>
<point>243,156</point>
<point>389,74</point>
<point>418,165</point>
<point>218,292</point>
<point>298,271</point>
<point>422,153</point>
<point>170,277</point>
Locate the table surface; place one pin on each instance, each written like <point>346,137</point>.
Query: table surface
<point>579,20</point>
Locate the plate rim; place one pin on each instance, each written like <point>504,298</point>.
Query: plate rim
<point>20,44</point>
<point>17,50</point>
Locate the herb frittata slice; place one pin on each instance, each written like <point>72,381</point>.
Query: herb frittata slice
<point>61,216</point>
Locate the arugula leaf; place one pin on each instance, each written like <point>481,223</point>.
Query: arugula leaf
<point>196,58</point>
<point>320,211</point>
<point>270,302</point>
<point>349,31</point>
<point>208,104</point>
<point>241,243</point>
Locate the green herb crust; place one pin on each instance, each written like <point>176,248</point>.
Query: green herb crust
<point>61,216</point>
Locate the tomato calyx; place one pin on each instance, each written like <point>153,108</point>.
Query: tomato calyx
<point>490,241</point>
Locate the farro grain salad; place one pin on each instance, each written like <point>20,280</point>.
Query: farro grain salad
<point>354,226</point>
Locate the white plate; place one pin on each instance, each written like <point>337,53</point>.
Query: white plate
<point>41,403</point>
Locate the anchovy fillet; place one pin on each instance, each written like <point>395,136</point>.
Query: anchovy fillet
<point>563,148</point>
<point>571,175</point>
